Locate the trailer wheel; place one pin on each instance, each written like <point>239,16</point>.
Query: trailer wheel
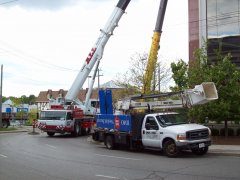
<point>200,151</point>
<point>95,136</point>
<point>109,142</point>
<point>50,134</point>
<point>170,149</point>
<point>4,124</point>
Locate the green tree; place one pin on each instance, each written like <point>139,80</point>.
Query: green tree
<point>32,99</point>
<point>180,75</point>
<point>31,116</point>
<point>133,79</point>
<point>4,99</point>
<point>226,77</point>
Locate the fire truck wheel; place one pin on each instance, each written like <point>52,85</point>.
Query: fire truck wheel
<point>109,142</point>
<point>50,134</point>
<point>77,130</point>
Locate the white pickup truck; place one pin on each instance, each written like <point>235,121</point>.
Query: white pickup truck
<point>167,131</point>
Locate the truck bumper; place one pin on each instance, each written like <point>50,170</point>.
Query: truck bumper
<point>55,129</point>
<point>193,144</point>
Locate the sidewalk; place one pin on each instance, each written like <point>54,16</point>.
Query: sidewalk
<point>215,148</point>
<point>230,150</point>
<point>20,129</point>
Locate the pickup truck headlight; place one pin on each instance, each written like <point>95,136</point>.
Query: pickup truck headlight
<point>181,136</point>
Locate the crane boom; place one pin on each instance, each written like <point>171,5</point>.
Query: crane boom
<point>152,58</point>
<point>97,50</point>
<point>201,94</point>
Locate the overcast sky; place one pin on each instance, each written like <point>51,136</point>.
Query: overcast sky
<point>43,44</point>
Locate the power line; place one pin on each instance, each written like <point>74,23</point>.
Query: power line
<point>35,60</point>
<point>7,2</point>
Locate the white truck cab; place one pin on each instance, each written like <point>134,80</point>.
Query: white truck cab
<point>172,132</point>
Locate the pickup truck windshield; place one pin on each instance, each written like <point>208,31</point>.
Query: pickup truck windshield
<point>53,115</point>
<point>172,119</point>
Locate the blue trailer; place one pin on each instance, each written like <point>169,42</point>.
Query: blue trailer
<point>113,129</point>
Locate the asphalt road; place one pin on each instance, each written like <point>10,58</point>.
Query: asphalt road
<point>39,157</point>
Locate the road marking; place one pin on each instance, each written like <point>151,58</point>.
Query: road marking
<point>3,156</point>
<point>109,177</point>
<point>51,146</point>
<point>119,157</point>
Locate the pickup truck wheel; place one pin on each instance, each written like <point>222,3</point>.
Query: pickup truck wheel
<point>50,134</point>
<point>170,149</point>
<point>200,151</point>
<point>109,142</point>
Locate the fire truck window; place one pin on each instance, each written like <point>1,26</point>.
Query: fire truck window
<point>69,116</point>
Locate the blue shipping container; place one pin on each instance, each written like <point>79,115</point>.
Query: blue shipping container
<point>116,122</point>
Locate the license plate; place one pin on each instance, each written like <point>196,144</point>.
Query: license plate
<point>201,145</point>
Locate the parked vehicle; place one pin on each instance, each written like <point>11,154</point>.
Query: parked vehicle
<point>6,117</point>
<point>167,131</point>
<point>69,114</point>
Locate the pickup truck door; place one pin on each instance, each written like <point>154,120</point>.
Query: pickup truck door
<point>151,136</point>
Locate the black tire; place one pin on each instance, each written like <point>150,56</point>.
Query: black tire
<point>170,149</point>
<point>95,136</point>
<point>88,130</point>
<point>77,130</point>
<point>4,124</point>
<point>109,142</point>
<point>51,134</point>
<point>200,151</point>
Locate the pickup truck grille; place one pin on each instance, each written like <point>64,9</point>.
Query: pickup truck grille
<point>197,134</point>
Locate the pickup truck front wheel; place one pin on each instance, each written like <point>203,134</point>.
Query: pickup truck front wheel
<point>200,151</point>
<point>170,149</point>
<point>109,142</point>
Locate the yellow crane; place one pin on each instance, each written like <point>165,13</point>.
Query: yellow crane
<point>152,58</point>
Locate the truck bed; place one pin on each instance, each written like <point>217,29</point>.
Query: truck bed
<point>130,124</point>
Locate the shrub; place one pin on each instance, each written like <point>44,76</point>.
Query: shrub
<point>215,132</point>
<point>230,132</point>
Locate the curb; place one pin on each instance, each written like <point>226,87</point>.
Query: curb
<point>14,131</point>
<point>224,153</point>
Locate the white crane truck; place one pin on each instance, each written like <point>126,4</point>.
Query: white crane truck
<point>69,115</point>
<point>168,131</point>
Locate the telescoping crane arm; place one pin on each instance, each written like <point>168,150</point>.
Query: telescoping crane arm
<point>201,94</point>
<point>96,52</point>
<point>152,58</point>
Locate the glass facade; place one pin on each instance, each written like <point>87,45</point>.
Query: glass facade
<point>218,23</point>
<point>223,28</point>
<point>223,18</point>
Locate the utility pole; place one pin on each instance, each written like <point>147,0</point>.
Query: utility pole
<point>1,125</point>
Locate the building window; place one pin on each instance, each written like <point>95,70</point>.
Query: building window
<point>223,18</point>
